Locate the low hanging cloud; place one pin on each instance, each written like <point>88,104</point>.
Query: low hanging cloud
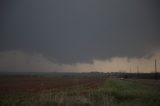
<point>31,62</point>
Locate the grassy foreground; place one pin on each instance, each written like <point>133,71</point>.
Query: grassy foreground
<point>114,92</point>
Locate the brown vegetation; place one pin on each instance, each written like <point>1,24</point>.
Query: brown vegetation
<point>34,84</point>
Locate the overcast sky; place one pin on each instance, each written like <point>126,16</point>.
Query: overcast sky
<point>63,33</point>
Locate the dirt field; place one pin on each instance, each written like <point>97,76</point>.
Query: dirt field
<point>34,91</point>
<point>33,84</point>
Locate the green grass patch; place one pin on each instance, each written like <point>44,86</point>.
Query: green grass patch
<point>131,91</point>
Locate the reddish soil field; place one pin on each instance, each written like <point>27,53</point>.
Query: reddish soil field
<point>33,84</point>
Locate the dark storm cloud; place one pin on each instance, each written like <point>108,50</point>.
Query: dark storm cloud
<point>80,30</point>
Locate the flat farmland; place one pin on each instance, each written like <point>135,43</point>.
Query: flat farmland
<point>42,91</point>
<point>35,84</point>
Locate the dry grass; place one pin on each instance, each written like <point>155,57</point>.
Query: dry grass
<point>113,92</point>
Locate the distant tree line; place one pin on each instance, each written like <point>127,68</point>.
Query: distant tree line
<point>83,75</point>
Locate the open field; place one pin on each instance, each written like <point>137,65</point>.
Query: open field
<point>32,84</point>
<point>23,91</point>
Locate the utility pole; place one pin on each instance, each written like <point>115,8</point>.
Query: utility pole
<point>155,66</point>
<point>155,69</point>
<point>137,71</point>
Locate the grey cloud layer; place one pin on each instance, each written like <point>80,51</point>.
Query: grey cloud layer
<point>74,31</point>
